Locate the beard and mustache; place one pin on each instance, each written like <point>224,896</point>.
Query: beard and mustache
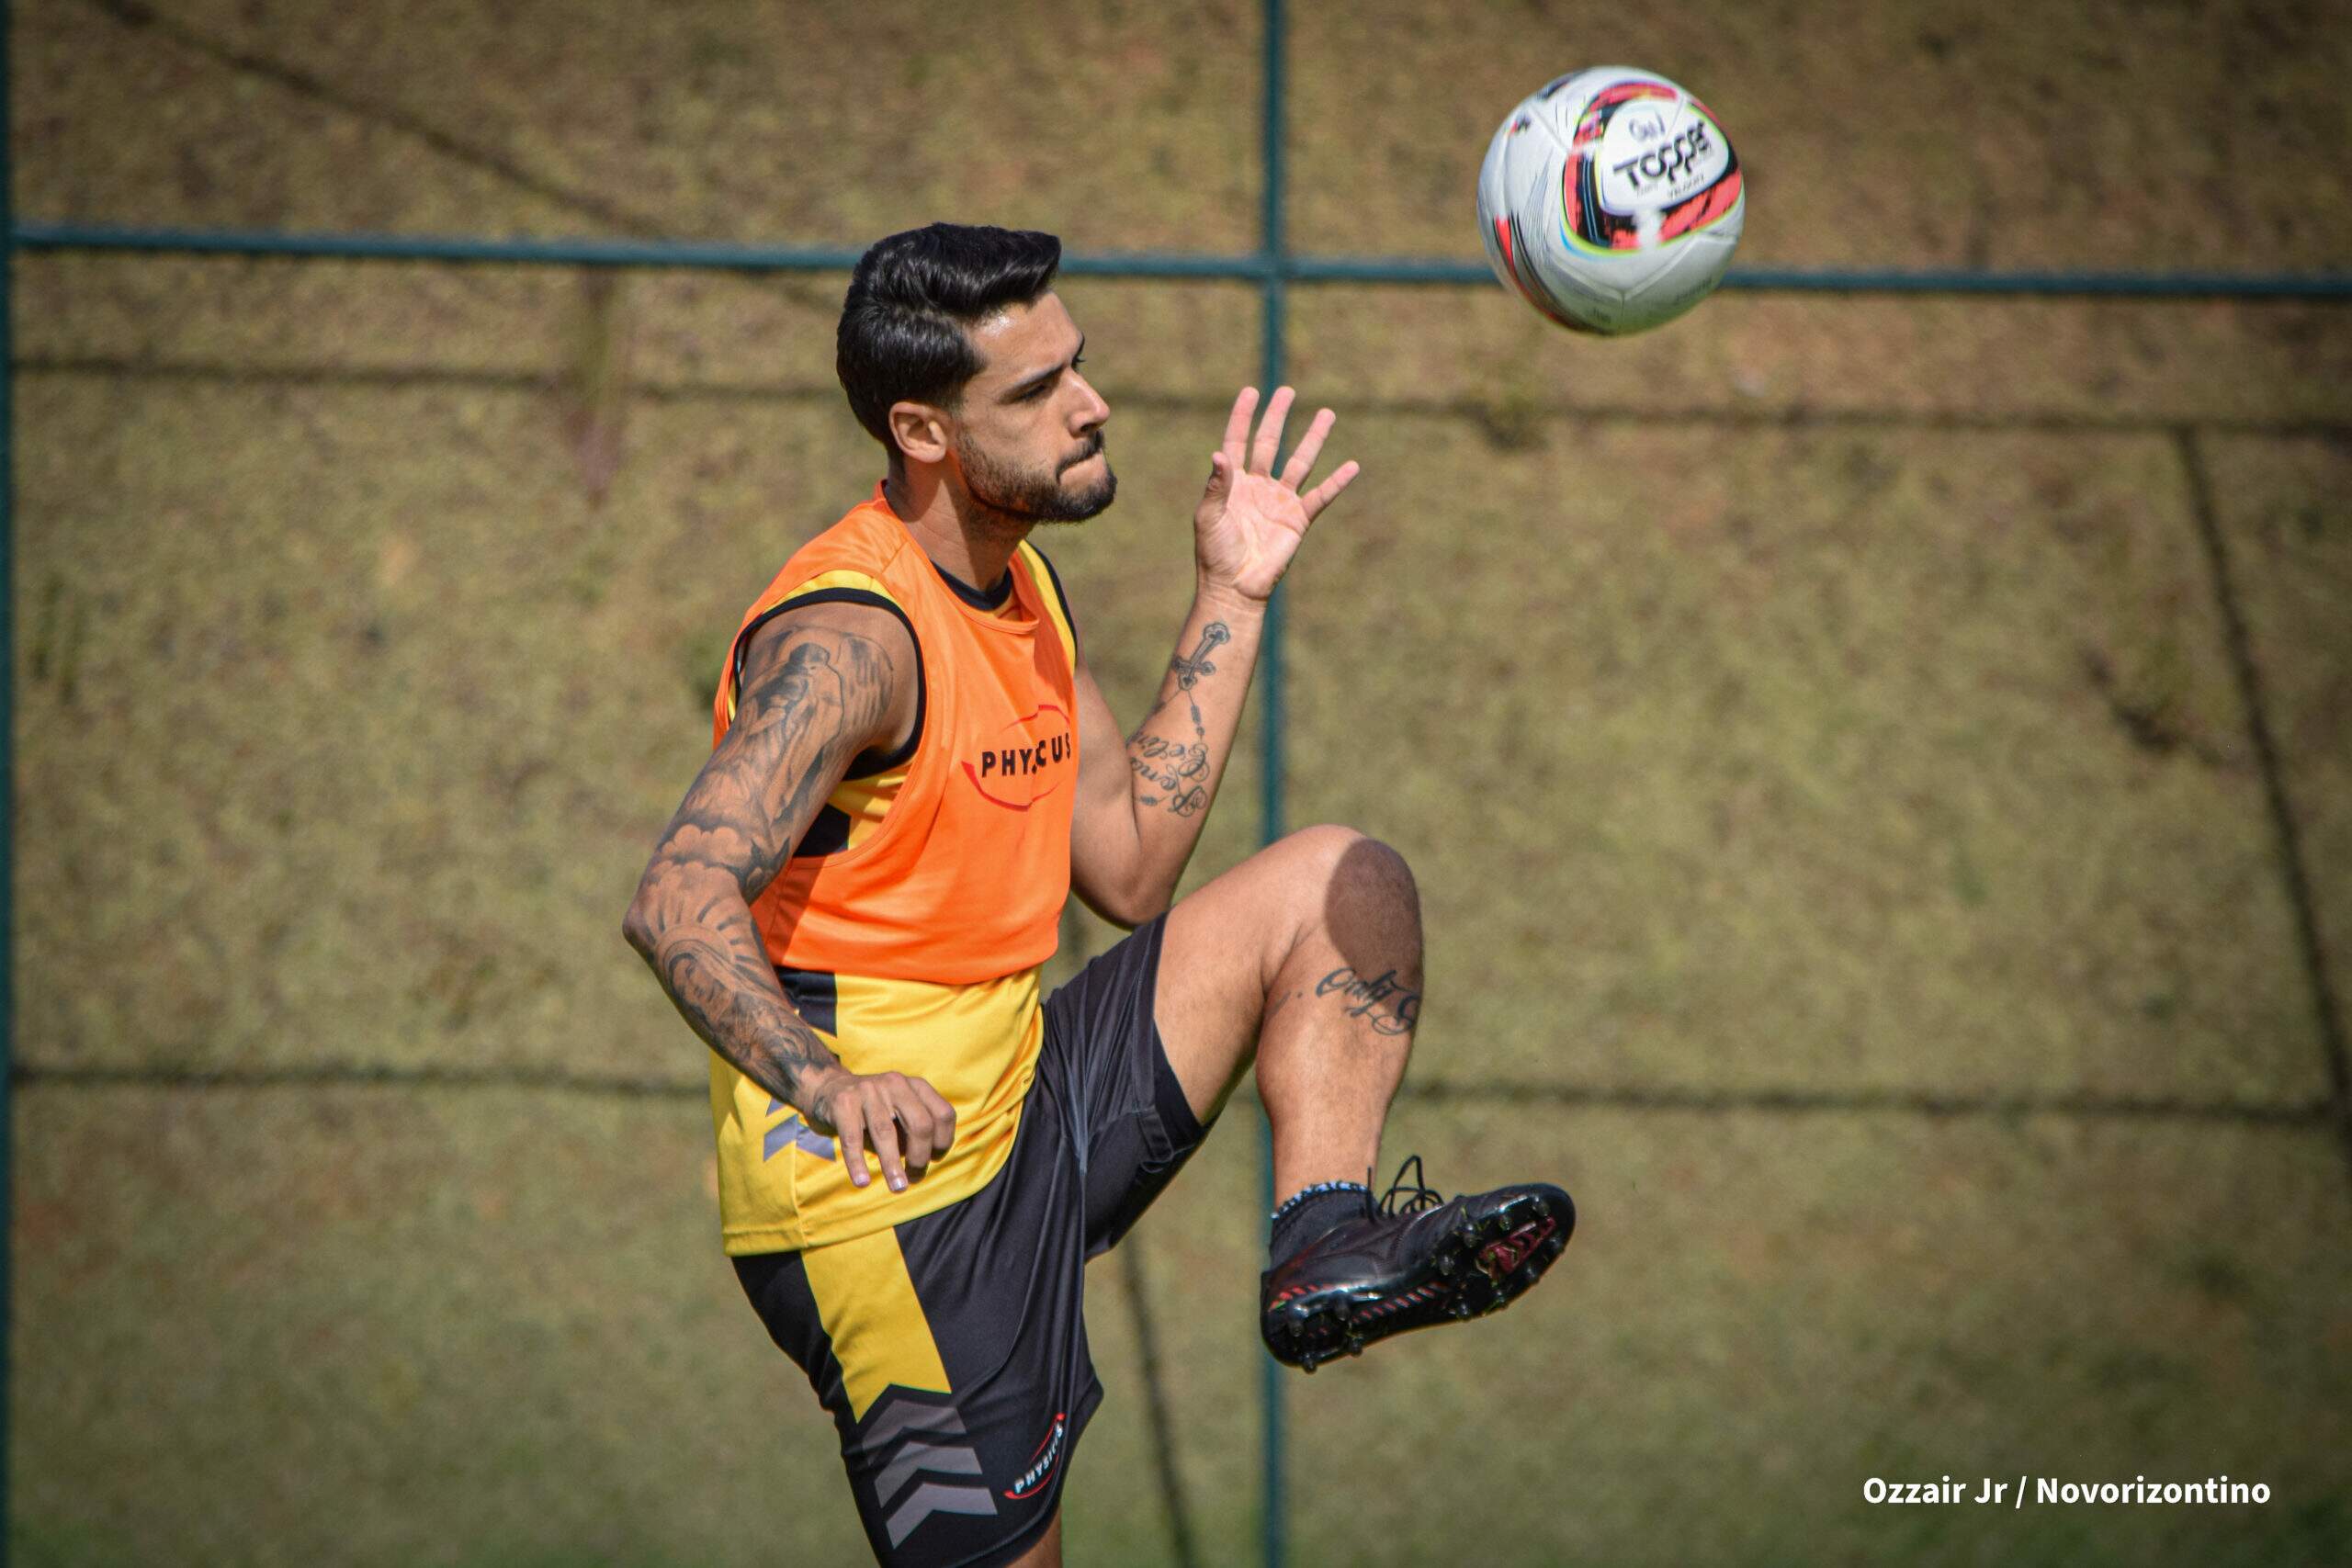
<point>1035,494</point>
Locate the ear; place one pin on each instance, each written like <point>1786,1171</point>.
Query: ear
<point>920,431</point>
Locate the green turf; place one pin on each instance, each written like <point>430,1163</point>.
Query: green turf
<point>366,1327</point>
<point>2103,135</point>
<point>356,1326</point>
<point>1759,1314</point>
<point>698,120</point>
<point>254,315</point>
<point>2290,549</point>
<point>1868,359</point>
<point>2093,136</point>
<point>429,1307</point>
<point>1798,748</point>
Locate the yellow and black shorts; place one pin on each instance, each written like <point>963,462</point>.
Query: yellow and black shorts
<point>951,1350</point>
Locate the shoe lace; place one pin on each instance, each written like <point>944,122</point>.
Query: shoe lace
<point>1414,1200</point>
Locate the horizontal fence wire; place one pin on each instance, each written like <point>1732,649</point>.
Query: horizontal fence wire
<point>1930,1104</point>
<point>1249,268</point>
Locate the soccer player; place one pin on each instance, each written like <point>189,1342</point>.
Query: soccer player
<point>912,769</point>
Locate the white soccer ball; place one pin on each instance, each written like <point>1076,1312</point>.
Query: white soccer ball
<point>1610,200</point>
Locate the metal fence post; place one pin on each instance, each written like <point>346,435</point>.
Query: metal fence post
<point>1272,245</point>
<point>7,771</point>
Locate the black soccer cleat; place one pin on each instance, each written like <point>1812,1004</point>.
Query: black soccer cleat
<point>1411,1263</point>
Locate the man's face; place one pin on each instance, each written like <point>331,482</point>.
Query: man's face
<point>1029,431</point>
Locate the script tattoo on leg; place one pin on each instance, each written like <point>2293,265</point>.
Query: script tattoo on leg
<point>1173,766</point>
<point>1382,1000</point>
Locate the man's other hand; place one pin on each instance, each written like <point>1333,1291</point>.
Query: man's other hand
<point>904,1121</point>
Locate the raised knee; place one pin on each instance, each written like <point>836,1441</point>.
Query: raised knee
<point>1352,865</point>
<point>1323,846</point>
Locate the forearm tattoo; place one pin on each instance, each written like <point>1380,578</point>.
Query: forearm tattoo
<point>807,706</point>
<point>1176,769</point>
<point>733,1002</point>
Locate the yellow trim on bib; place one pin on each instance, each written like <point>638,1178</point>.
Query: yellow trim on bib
<point>1043,576</point>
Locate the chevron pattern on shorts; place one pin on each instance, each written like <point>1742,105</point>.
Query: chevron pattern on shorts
<point>911,1425</point>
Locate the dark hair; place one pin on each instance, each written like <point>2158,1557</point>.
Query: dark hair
<point>901,334</point>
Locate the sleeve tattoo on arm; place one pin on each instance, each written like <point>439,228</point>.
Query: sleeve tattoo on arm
<point>1172,766</point>
<point>803,711</point>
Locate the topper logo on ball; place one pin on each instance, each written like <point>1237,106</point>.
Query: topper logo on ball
<point>1665,162</point>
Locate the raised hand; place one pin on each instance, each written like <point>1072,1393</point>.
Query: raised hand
<point>1250,521</point>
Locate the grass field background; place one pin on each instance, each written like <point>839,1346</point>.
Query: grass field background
<point>1841,742</point>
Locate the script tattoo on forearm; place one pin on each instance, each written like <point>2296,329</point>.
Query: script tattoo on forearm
<point>1172,767</point>
<point>1381,1000</point>
<point>801,712</point>
<point>1178,769</point>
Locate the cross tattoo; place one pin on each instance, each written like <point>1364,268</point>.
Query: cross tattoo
<point>1189,671</point>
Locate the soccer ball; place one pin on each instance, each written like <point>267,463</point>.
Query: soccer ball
<point>1610,200</point>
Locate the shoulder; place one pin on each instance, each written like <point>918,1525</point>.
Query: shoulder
<point>842,584</point>
<point>830,669</point>
<point>854,632</point>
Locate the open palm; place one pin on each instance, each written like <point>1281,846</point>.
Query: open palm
<point>1250,521</point>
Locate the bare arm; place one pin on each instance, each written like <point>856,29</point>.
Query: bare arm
<point>1143,799</point>
<point>819,686</point>
<point>1142,802</point>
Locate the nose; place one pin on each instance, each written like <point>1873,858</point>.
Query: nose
<point>1094,411</point>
